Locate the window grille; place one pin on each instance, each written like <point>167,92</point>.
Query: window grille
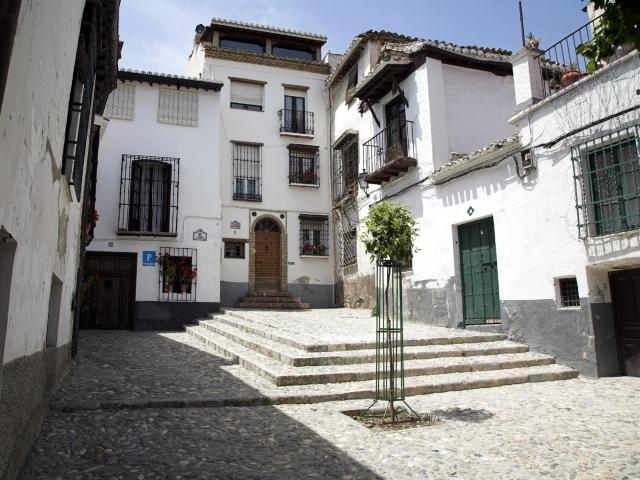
<point>121,103</point>
<point>247,171</point>
<point>349,246</point>
<point>569,296</point>
<point>234,249</point>
<point>247,95</point>
<point>148,195</point>
<point>178,108</point>
<point>80,102</point>
<point>607,183</point>
<point>345,168</point>
<point>178,274</point>
<point>303,165</point>
<point>314,235</point>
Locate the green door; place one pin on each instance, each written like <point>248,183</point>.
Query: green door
<point>479,272</point>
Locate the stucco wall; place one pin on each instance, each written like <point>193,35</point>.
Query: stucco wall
<point>199,187</point>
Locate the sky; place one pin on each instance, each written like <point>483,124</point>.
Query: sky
<point>158,34</point>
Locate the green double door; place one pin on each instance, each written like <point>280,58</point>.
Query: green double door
<point>479,266</point>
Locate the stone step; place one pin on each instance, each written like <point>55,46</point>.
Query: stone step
<point>299,358</point>
<point>234,318</point>
<point>274,305</point>
<point>284,375</point>
<point>270,299</point>
<point>417,385</point>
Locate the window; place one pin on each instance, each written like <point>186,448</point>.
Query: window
<point>233,249</point>
<point>314,235</point>
<point>293,114</point>
<point>247,95</point>
<point>303,165</point>
<point>148,195</point>
<point>178,273</point>
<point>80,103</point>
<point>293,52</point>
<point>568,288</point>
<point>242,44</point>
<point>121,103</point>
<point>608,183</point>
<point>247,171</point>
<point>352,79</point>
<point>345,167</point>
<point>178,108</point>
<point>349,245</point>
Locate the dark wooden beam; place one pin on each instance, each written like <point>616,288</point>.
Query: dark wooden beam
<point>9,12</point>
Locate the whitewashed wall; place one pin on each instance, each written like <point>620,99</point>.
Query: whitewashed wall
<point>199,190</point>
<point>37,206</point>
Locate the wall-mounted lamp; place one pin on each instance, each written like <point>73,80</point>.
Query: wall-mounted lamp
<point>362,182</point>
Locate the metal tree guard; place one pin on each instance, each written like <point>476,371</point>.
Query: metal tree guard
<point>389,337</point>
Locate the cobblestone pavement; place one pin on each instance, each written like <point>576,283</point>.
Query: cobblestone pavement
<point>575,429</point>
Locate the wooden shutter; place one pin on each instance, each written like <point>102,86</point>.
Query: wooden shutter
<point>246,93</point>
<point>134,200</point>
<point>165,201</point>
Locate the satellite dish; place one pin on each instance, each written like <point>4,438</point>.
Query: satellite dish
<point>200,29</point>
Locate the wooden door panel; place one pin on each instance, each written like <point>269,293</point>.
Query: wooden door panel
<point>267,261</point>
<point>625,292</point>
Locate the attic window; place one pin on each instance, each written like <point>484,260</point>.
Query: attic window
<point>245,45</point>
<point>353,77</point>
<point>292,52</point>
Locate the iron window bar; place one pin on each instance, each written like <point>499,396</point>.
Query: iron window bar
<point>345,168</point>
<point>296,121</point>
<point>149,196</point>
<point>175,283</point>
<point>303,165</point>
<point>569,296</point>
<point>606,174</point>
<point>314,235</point>
<point>390,144</point>
<point>247,171</point>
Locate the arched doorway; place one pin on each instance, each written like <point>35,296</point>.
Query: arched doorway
<point>267,261</point>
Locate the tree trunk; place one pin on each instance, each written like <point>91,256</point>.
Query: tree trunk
<point>389,346</point>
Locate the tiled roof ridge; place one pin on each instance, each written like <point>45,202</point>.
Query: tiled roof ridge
<point>458,158</point>
<point>268,27</point>
<point>161,74</point>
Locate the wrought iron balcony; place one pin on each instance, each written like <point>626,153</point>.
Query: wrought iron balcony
<point>389,153</point>
<point>296,121</point>
<point>561,64</point>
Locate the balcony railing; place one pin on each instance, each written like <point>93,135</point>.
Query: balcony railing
<point>389,153</point>
<point>296,121</point>
<point>561,64</point>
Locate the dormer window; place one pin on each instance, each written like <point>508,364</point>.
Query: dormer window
<point>254,46</point>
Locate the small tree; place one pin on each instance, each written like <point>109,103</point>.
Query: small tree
<point>618,25</point>
<point>389,234</point>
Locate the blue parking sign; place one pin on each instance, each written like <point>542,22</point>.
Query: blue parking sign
<point>148,258</point>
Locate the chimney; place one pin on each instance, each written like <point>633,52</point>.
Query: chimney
<point>527,77</point>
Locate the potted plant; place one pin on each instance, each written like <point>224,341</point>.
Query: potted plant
<point>168,270</point>
<point>186,275</point>
<point>571,75</point>
<point>554,85</point>
<point>533,41</point>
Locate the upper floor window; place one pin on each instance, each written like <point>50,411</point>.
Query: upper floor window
<point>247,95</point>
<point>294,116</point>
<point>178,108</point>
<point>247,171</point>
<point>293,52</point>
<point>608,180</point>
<point>148,195</point>
<point>121,103</point>
<point>254,46</point>
<point>352,79</point>
<point>345,167</point>
<point>303,165</point>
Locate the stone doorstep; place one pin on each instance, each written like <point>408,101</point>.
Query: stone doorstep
<point>275,306</point>
<point>269,299</point>
<point>299,358</point>
<point>359,390</point>
<point>283,375</point>
<point>275,334</point>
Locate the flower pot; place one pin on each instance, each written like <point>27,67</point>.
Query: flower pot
<point>570,77</point>
<point>168,288</point>
<point>184,288</point>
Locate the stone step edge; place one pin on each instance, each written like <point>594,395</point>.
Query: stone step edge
<point>526,375</point>
<point>276,306</point>
<point>287,379</point>
<point>260,345</point>
<point>262,332</point>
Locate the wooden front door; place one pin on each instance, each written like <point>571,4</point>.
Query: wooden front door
<point>267,261</point>
<point>479,266</point>
<point>625,296</point>
<point>111,290</point>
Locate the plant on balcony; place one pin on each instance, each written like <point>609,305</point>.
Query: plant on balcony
<point>186,274</point>
<point>388,236</point>
<point>533,41</point>
<point>168,271</point>
<point>617,26</point>
<point>571,75</point>
<point>313,249</point>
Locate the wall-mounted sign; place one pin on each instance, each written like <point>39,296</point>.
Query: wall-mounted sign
<point>235,225</point>
<point>200,235</point>
<point>148,258</point>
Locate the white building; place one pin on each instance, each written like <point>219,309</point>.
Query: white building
<point>57,67</point>
<point>158,194</point>
<point>529,230</point>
